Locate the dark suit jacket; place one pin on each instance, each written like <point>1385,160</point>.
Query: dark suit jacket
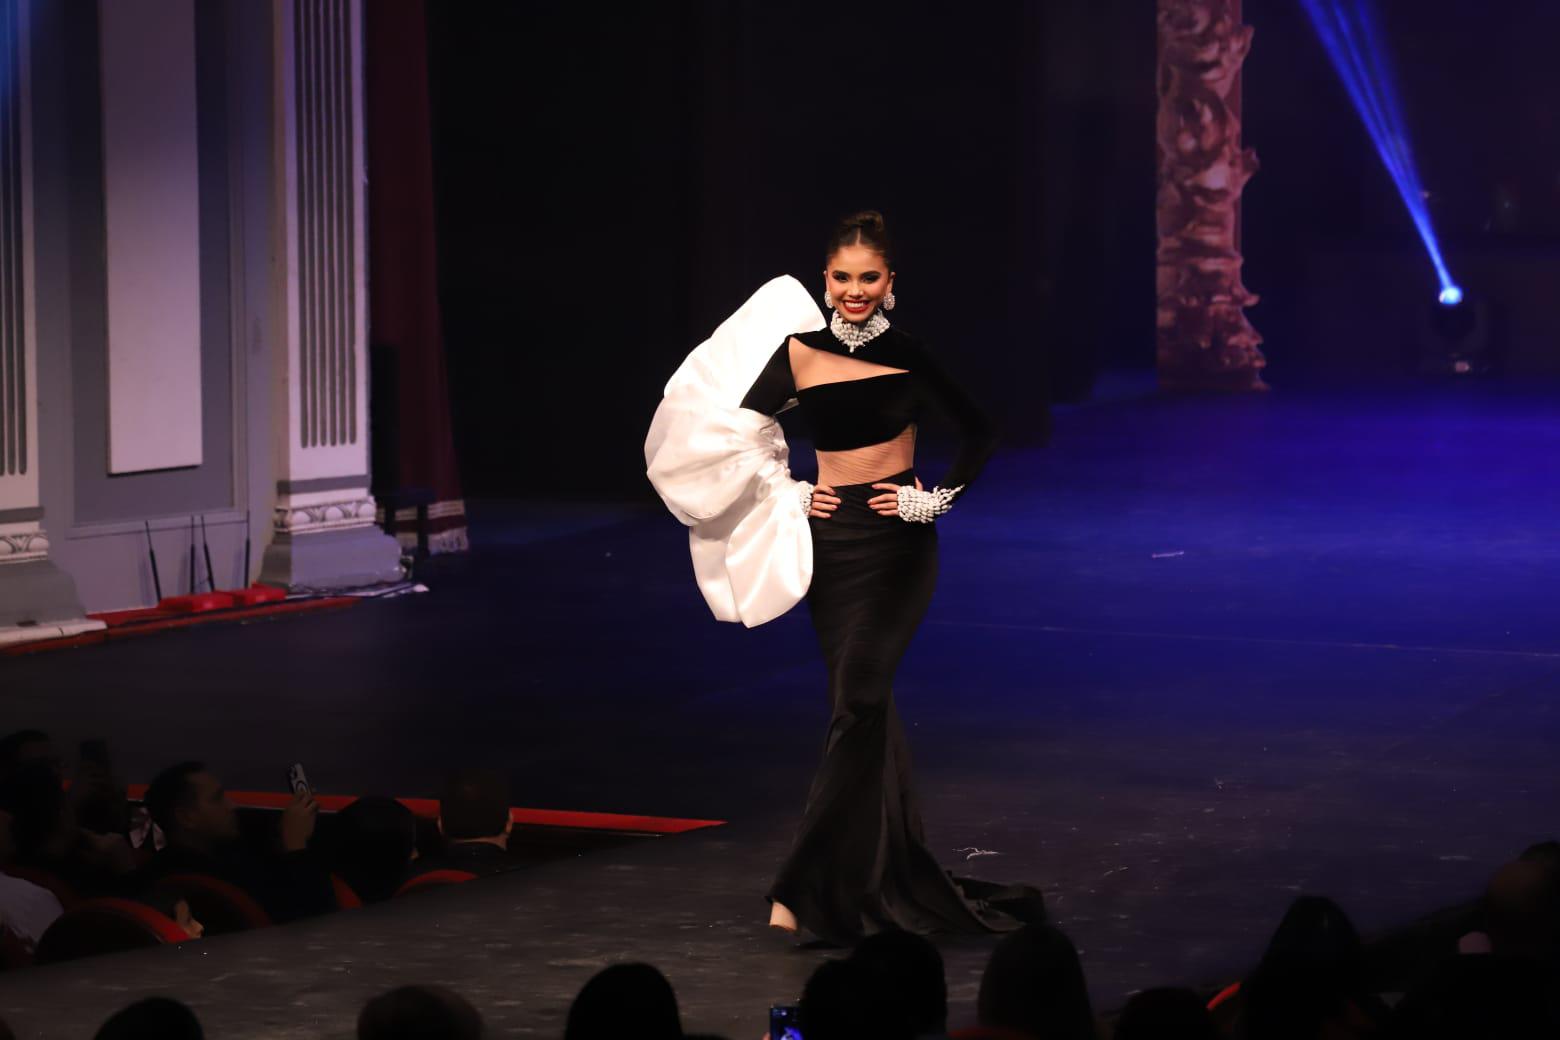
<point>479,858</point>
<point>288,886</point>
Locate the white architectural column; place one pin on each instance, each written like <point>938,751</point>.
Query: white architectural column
<point>323,533</point>
<point>37,599</point>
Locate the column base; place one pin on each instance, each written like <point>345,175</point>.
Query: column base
<point>14,634</point>
<point>344,558</point>
<point>36,593</point>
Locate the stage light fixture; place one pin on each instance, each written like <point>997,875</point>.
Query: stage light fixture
<point>1349,32</point>
<point>1455,338</point>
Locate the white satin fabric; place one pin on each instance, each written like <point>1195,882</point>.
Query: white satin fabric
<point>722,469</point>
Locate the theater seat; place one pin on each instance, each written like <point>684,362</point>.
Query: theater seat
<point>221,906</point>
<point>106,926</point>
<point>1223,996</point>
<point>346,898</point>
<point>436,879</point>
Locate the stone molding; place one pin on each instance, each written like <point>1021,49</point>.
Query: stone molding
<point>324,516</point>
<point>23,545</point>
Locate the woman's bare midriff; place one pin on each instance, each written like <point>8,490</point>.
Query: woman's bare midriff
<point>869,464</point>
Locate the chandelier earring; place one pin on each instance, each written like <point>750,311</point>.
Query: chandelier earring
<point>888,300</point>
<point>828,301</point>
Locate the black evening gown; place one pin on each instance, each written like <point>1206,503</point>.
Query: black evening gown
<point>860,862</point>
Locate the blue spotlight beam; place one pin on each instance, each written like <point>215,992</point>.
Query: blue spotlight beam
<point>1352,37</point>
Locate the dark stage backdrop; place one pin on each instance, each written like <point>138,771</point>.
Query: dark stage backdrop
<point>1329,245</point>
<point>613,180</point>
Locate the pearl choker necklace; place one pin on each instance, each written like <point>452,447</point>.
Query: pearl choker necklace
<point>855,335</point>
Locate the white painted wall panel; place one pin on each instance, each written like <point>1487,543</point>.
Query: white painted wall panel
<point>151,195</point>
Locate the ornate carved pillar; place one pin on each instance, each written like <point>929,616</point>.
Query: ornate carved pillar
<point>37,599</point>
<point>323,531</point>
<point>1204,339</point>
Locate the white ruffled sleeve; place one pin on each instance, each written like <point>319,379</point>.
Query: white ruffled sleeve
<point>723,469</point>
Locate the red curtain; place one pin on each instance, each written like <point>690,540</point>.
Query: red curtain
<point>414,462</point>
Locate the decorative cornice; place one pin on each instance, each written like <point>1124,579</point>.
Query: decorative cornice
<point>21,546</point>
<point>324,516</point>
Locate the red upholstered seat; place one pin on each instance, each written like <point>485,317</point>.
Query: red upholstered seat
<point>346,898</point>
<point>220,906</point>
<point>106,926</point>
<point>435,879</point>
<point>1223,995</point>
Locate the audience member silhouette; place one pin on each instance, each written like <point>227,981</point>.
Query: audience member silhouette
<point>1311,979</point>
<point>45,836</point>
<point>911,970</point>
<point>22,746</point>
<point>1165,1014</point>
<point>419,1013</point>
<point>159,1017</point>
<point>848,1000</point>
<point>1034,985</point>
<point>625,1000</point>
<point>1522,910</point>
<point>97,794</point>
<point>374,842</point>
<point>1512,989</point>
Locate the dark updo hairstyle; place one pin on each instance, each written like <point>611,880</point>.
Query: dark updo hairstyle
<point>861,229</point>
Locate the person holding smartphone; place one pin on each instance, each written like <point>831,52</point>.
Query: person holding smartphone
<point>200,826</point>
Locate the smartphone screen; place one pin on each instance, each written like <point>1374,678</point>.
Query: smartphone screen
<point>785,1023</point>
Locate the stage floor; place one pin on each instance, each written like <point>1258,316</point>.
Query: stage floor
<point>1196,657</point>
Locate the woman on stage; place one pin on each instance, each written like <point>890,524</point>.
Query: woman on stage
<point>859,862</point>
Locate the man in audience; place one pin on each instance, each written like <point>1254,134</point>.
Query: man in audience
<point>200,825</point>
<point>475,822</point>
<point>419,1013</point>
